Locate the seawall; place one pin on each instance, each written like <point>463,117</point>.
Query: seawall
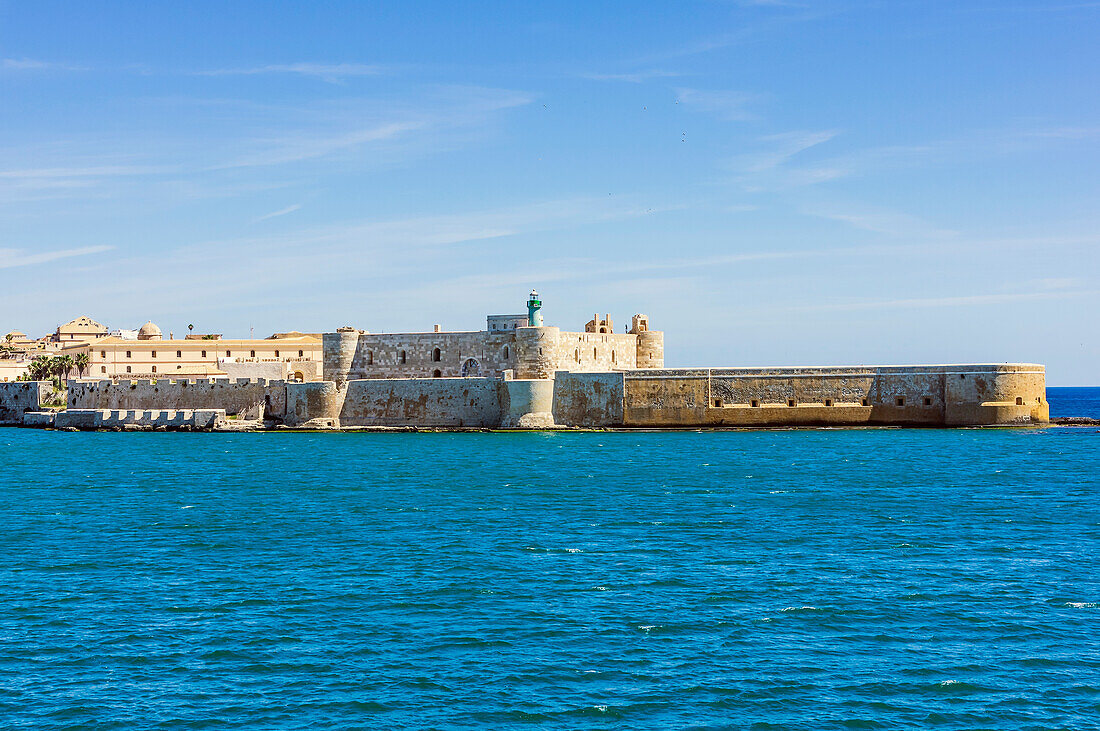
<point>234,396</point>
<point>20,397</point>
<point>938,395</point>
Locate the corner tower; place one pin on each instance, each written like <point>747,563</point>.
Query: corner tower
<point>651,343</point>
<point>338,350</point>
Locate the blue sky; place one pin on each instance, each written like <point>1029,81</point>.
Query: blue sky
<point>772,182</point>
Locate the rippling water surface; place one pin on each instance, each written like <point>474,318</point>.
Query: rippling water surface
<point>777,579</point>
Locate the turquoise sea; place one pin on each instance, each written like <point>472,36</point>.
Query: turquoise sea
<point>878,578</point>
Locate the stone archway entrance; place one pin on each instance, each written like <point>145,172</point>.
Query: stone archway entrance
<point>471,368</point>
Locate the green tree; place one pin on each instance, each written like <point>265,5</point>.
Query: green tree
<point>40,368</point>
<point>62,366</point>
<point>82,361</point>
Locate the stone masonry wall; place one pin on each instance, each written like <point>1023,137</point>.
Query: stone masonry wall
<point>469,402</point>
<point>594,352</point>
<point>916,395</point>
<point>218,393</point>
<point>533,352</point>
<point>16,397</point>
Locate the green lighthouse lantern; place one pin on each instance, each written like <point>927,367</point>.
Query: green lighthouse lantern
<point>534,307</point>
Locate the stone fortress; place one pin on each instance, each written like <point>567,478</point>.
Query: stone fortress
<point>519,373</point>
<point>517,344</point>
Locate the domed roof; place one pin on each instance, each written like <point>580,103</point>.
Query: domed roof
<point>149,331</point>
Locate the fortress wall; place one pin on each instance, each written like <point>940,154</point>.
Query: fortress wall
<point>913,395</point>
<point>17,397</point>
<point>1009,393</point>
<point>536,352</point>
<point>219,393</point>
<point>445,402</point>
<point>588,399</point>
<point>119,419</point>
<point>596,353</point>
<point>338,354</point>
<point>379,355</point>
<point>317,400</point>
<point>528,404</point>
<point>651,349</point>
<point>530,352</point>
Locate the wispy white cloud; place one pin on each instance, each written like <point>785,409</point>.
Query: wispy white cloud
<point>891,223</point>
<point>728,105</point>
<point>21,257</point>
<point>783,147</point>
<point>276,214</point>
<point>632,78</point>
<point>30,64</point>
<point>311,146</point>
<point>956,301</point>
<point>389,131</point>
<point>326,71</point>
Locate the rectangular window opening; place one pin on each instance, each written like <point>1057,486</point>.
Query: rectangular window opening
<point>790,402</point>
<point>754,403</point>
<point>927,401</point>
<point>865,402</point>
<point>900,401</point>
<point>828,402</point>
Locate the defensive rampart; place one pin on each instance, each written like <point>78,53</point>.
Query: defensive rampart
<point>940,395</point>
<point>528,352</point>
<point>19,397</point>
<point>232,396</point>
<point>161,419</point>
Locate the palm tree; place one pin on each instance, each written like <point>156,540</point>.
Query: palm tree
<point>62,365</point>
<point>40,368</point>
<point>82,361</point>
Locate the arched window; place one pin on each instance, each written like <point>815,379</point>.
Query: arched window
<point>437,373</point>
<point>128,369</point>
<point>436,355</point>
<point>505,352</point>
<point>577,355</point>
<point>103,369</point>
<point>179,353</point>
<point>154,369</point>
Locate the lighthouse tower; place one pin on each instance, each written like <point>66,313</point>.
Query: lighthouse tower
<point>534,307</point>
